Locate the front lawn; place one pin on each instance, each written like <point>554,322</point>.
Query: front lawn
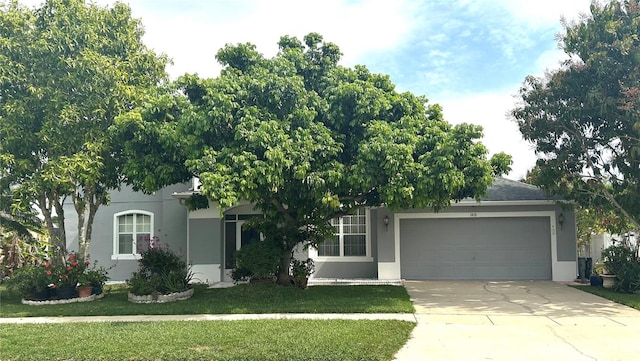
<point>631,300</point>
<point>245,299</point>
<point>208,340</point>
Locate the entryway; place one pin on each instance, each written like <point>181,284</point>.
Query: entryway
<point>236,235</point>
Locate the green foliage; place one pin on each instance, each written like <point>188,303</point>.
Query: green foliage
<point>27,280</point>
<point>17,251</point>
<point>623,261</point>
<point>197,201</point>
<point>257,260</point>
<point>583,118</point>
<point>96,276</point>
<point>304,140</point>
<point>301,270</point>
<point>67,70</point>
<point>160,270</point>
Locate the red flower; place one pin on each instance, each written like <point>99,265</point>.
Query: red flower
<point>68,268</point>
<point>74,263</point>
<point>48,273</point>
<point>72,257</point>
<point>47,264</point>
<point>87,262</point>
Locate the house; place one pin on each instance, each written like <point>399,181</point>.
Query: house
<point>514,232</point>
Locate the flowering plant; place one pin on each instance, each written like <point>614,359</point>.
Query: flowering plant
<point>69,273</point>
<point>94,275</point>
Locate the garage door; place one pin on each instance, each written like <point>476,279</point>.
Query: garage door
<point>476,248</point>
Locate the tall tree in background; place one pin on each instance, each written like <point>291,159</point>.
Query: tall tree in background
<point>67,69</point>
<point>584,117</point>
<point>304,140</point>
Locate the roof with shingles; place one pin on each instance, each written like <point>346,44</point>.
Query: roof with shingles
<point>509,190</point>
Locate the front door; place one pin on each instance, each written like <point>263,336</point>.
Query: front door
<point>236,235</point>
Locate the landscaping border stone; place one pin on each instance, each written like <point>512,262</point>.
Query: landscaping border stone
<point>62,302</point>
<point>171,297</point>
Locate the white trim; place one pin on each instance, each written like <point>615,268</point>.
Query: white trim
<point>467,203</point>
<point>340,258</point>
<point>129,256</point>
<point>367,258</point>
<point>560,270</point>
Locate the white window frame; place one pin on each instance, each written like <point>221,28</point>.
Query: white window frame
<point>135,255</point>
<point>313,252</point>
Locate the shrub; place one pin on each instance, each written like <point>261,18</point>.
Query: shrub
<point>623,262</point>
<point>28,279</point>
<point>160,271</point>
<point>301,270</point>
<point>258,260</point>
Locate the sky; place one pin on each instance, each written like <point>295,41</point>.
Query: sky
<point>469,56</point>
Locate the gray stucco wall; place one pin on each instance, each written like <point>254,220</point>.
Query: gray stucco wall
<point>206,241</point>
<point>346,270</point>
<point>170,225</point>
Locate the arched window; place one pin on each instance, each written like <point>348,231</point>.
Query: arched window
<point>130,229</point>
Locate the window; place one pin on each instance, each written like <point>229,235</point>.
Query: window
<point>351,237</point>
<point>129,229</point>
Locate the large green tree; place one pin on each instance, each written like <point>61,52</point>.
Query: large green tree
<point>583,118</point>
<point>67,69</point>
<point>305,140</point>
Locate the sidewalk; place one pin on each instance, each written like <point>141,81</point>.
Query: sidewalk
<point>410,317</point>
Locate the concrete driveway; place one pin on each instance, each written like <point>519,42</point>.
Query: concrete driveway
<point>516,320</point>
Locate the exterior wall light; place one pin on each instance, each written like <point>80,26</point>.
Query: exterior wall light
<point>561,219</point>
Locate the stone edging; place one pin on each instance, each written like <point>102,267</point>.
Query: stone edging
<point>177,296</point>
<point>62,302</point>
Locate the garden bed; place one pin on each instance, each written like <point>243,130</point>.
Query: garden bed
<point>61,301</point>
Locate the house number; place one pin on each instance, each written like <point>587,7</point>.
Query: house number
<point>473,214</point>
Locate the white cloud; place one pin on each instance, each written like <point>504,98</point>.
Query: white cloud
<point>501,134</point>
<point>192,39</point>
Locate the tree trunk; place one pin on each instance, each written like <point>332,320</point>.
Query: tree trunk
<point>47,204</point>
<point>284,278</point>
<point>93,208</point>
<point>80,206</point>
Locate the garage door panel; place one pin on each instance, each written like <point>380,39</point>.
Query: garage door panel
<point>477,248</point>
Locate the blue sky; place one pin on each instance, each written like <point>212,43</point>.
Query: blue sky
<point>470,56</point>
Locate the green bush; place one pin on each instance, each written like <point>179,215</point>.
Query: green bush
<point>160,271</point>
<point>28,280</point>
<point>258,260</point>
<point>622,261</point>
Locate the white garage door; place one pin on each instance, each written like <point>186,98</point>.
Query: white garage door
<point>502,248</point>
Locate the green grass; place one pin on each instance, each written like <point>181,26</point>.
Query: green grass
<point>631,300</point>
<point>245,299</point>
<point>206,340</point>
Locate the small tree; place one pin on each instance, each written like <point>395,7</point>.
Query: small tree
<point>584,118</point>
<point>67,69</point>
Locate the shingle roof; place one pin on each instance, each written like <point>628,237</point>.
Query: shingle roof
<point>509,190</point>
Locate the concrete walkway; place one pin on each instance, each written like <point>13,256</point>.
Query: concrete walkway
<point>475,320</point>
<point>235,317</point>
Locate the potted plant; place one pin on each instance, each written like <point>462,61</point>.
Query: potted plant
<point>614,259</point>
<point>301,270</point>
<point>596,279</point>
<point>68,276</point>
<point>93,277</point>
